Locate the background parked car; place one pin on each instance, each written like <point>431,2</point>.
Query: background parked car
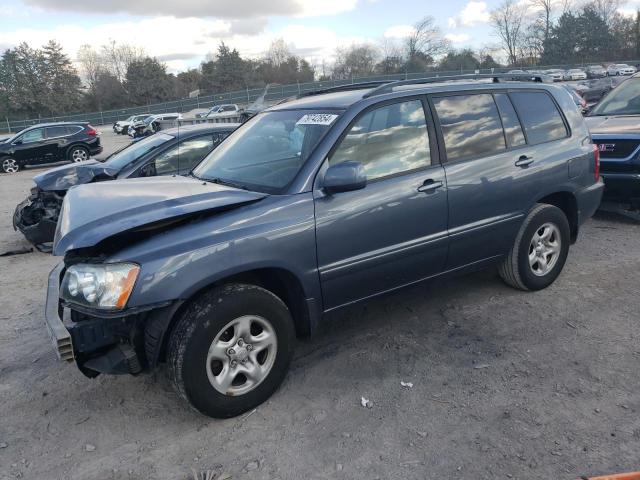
<point>149,125</point>
<point>620,69</point>
<point>222,110</point>
<point>48,143</point>
<point>580,102</point>
<point>575,74</point>
<point>596,71</point>
<point>122,126</point>
<point>556,74</point>
<point>174,151</point>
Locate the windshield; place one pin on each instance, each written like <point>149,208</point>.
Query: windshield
<point>267,152</point>
<point>623,100</point>
<point>136,150</point>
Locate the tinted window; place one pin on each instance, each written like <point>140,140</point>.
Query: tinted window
<point>192,151</point>
<point>53,132</point>
<point>73,129</point>
<point>512,128</point>
<point>470,125</point>
<point>540,116</point>
<point>387,140</point>
<point>33,135</point>
<point>133,152</point>
<point>166,163</point>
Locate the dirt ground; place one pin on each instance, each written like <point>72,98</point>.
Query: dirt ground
<point>505,384</point>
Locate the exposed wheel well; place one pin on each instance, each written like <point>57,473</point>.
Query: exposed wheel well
<point>280,282</point>
<point>566,202</point>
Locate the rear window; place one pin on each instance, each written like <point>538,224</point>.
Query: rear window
<point>540,117</point>
<point>470,125</point>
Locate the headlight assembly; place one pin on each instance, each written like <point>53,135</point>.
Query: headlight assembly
<point>102,286</point>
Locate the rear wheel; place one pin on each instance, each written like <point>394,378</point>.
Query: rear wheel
<point>9,165</point>
<point>539,251</point>
<point>78,154</point>
<point>231,349</point>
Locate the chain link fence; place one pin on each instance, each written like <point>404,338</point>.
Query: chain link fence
<point>243,97</point>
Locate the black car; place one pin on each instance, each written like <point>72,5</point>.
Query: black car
<point>171,152</point>
<point>48,143</point>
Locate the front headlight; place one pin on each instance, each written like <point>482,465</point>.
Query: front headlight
<point>107,286</point>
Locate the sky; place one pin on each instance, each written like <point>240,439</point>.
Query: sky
<point>182,32</point>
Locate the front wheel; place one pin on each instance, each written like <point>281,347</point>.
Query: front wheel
<point>231,349</point>
<point>539,251</point>
<point>9,165</point>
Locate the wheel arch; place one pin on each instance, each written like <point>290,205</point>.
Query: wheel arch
<point>565,201</point>
<point>67,152</point>
<point>281,282</point>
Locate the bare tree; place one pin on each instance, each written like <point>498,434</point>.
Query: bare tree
<point>118,57</point>
<point>278,52</point>
<point>355,61</point>
<point>91,64</point>
<point>508,22</point>
<point>607,9</point>
<point>546,14</point>
<point>426,38</point>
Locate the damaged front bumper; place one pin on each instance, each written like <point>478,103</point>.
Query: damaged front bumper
<point>37,217</point>
<point>114,343</point>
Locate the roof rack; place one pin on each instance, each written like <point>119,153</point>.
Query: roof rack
<point>389,86</point>
<point>345,88</point>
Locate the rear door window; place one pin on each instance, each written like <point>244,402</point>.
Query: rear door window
<point>470,125</point>
<point>540,116</point>
<point>54,132</point>
<point>512,128</point>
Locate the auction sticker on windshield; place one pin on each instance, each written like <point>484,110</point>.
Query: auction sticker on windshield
<point>317,119</point>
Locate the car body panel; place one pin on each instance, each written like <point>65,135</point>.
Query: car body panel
<point>64,177</point>
<point>134,203</point>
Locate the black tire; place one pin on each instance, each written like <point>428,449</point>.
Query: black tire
<point>9,165</point>
<point>515,269</point>
<point>201,323</point>
<point>78,149</point>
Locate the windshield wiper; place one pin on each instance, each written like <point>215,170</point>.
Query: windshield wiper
<point>228,183</point>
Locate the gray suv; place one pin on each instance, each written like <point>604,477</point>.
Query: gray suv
<point>313,205</point>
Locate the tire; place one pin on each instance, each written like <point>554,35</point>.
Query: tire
<point>9,165</point>
<point>218,318</point>
<point>79,154</point>
<point>529,265</point>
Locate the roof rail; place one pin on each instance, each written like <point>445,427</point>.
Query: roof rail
<point>344,88</point>
<point>389,86</point>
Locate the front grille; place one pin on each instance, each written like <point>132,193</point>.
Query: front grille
<point>612,148</point>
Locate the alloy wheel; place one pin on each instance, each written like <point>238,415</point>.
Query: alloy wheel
<point>79,155</point>
<point>9,165</point>
<point>241,355</point>
<point>544,249</point>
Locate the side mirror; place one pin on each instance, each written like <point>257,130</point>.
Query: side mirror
<point>344,177</point>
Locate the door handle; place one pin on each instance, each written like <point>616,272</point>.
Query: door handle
<point>430,185</point>
<point>524,161</point>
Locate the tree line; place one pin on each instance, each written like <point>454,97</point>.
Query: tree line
<point>46,82</point>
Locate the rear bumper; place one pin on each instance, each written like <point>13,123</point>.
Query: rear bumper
<point>621,185</point>
<point>96,150</point>
<point>588,200</point>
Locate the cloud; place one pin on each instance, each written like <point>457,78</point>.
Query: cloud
<point>458,37</point>
<point>203,8</point>
<point>473,13</point>
<point>183,42</point>
<point>399,31</point>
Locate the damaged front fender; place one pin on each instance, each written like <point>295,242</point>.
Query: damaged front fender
<point>37,217</point>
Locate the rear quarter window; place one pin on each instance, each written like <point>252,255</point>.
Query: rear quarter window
<point>540,117</point>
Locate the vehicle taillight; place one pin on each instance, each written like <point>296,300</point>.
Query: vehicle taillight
<point>91,131</point>
<point>596,157</point>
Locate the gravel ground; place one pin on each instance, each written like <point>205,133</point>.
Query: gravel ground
<point>505,384</point>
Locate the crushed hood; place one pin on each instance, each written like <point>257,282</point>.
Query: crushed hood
<point>64,177</point>
<point>614,124</point>
<point>92,213</point>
